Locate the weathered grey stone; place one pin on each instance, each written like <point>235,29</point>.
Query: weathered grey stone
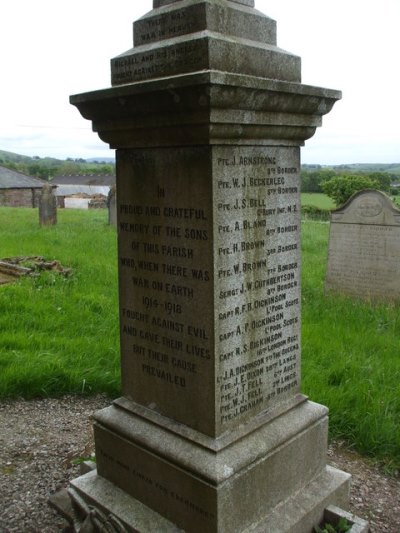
<point>206,108</point>
<point>207,486</point>
<point>225,241</point>
<point>212,432</point>
<point>216,492</point>
<point>333,514</point>
<point>223,18</point>
<point>107,499</point>
<point>204,35</point>
<point>47,206</point>
<point>364,248</point>
<point>135,516</point>
<point>160,3</point>
<point>112,206</point>
<point>204,53</point>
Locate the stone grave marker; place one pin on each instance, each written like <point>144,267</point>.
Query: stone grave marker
<point>364,248</point>
<point>47,206</point>
<point>112,206</point>
<point>212,433</point>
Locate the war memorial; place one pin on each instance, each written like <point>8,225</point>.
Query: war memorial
<point>211,433</point>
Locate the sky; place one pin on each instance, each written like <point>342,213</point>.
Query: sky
<point>50,49</point>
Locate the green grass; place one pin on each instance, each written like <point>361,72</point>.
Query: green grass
<point>60,335</point>
<point>57,334</point>
<point>350,358</point>
<point>396,201</point>
<point>322,201</point>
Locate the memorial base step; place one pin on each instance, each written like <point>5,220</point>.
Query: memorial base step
<point>242,482</point>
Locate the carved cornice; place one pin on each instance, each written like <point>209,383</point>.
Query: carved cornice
<point>206,108</point>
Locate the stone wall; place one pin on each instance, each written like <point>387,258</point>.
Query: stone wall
<point>19,197</point>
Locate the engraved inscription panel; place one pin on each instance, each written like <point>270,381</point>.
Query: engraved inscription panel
<point>166,282</point>
<point>257,273</point>
<point>166,60</point>
<point>364,248</point>
<point>157,483</point>
<point>225,18</point>
<point>210,281</point>
<point>169,24</point>
<point>364,260</point>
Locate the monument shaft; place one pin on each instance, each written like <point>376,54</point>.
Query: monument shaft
<point>217,229</point>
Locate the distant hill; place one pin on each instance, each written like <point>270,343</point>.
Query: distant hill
<point>18,158</point>
<point>48,167</point>
<point>101,160</point>
<point>11,157</point>
<point>391,168</point>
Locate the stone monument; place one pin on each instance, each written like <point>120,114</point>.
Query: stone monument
<point>47,206</point>
<point>364,248</point>
<point>212,433</point>
<point>112,206</point>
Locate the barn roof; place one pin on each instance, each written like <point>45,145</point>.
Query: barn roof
<point>10,179</point>
<point>91,179</point>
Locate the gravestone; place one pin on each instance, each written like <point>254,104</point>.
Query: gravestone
<point>212,432</point>
<point>47,206</point>
<point>112,206</point>
<point>364,248</point>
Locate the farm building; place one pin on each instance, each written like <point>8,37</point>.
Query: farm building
<point>19,190</point>
<point>80,190</point>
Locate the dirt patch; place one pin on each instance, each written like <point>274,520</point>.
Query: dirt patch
<point>374,496</point>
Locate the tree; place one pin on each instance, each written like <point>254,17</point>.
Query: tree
<point>384,180</point>
<point>312,180</point>
<point>341,188</point>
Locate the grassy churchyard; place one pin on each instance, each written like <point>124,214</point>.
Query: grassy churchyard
<point>60,334</point>
<point>322,201</point>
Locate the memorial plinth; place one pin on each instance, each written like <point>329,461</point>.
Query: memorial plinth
<point>212,433</point>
